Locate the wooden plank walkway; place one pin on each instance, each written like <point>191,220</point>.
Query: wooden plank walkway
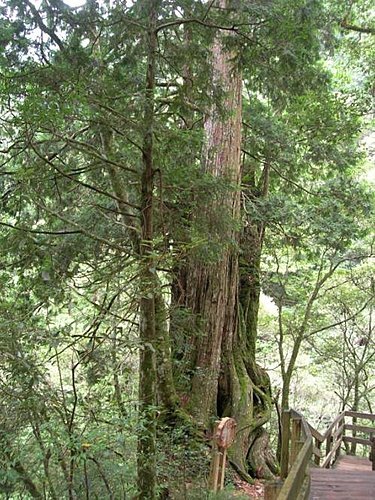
<point>351,479</point>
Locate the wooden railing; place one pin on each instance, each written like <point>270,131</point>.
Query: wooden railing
<point>302,445</point>
<point>355,428</point>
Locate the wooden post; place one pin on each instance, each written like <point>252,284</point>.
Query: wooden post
<point>223,437</point>
<point>299,445</point>
<point>318,445</point>
<point>338,451</point>
<point>272,489</point>
<point>222,463</point>
<point>306,487</point>
<point>285,436</point>
<point>215,463</point>
<point>372,451</point>
<point>295,444</point>
<point>353,447</point>
<point>328,443</point>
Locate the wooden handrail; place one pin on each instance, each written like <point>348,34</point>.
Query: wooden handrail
<point>360,428</point>
<point>354,428</point>
<point>297,474</point>
<point>300,442</point>
<point>296,451</point>
<point>357,414</point>
<point>333,424</point>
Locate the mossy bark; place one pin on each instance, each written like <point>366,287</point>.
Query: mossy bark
<point>146,455</point>
<point>244,394</point>
<point>166,392</point>
<point>221,298</point>
<point>211,287</point>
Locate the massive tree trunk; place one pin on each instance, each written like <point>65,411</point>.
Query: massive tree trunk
<point>211,288</point>
<point>244,386</point>
<point>224,378</point>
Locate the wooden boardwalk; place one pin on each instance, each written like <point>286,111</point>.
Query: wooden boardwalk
<point>351,479</point>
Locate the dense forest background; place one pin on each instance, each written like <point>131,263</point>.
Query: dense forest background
<point>186,233</point>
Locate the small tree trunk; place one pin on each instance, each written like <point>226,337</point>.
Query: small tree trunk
<point>146,459</point>
<point>167,395</point>
<point>285,392</point>
<point>355,407</point>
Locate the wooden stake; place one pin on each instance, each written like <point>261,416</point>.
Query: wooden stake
<point>223,437</point>
<point>215,466</point>
<point>222,464</point>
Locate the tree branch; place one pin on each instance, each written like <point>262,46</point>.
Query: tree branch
<point>333,325</point>
<point>177,22</point>
<point>43,27</point>
<point>359,29</point>
<point>36,231</point>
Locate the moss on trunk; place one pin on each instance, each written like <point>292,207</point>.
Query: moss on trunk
<point>215,304</point>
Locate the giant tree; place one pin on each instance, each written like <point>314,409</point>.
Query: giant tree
<point>141,143</point>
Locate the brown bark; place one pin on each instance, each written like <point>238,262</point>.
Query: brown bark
<point>211,288</point>
<point>226,380</point>
<point>223,294</point>
<point>261,460</point>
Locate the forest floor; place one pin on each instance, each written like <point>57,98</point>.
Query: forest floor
<point>253,491</point>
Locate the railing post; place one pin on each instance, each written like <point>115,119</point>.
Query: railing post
<point>318,445</point>
<point>353,447</point>
<point>372,451</point>
<point>272,489</point>
<point>339,424</point>
<point>328,443</point>
<point>295,443</point>
<point>306,487</point>
<point>285,436</point>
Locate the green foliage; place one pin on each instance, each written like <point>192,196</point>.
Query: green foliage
<point>72,101</point>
